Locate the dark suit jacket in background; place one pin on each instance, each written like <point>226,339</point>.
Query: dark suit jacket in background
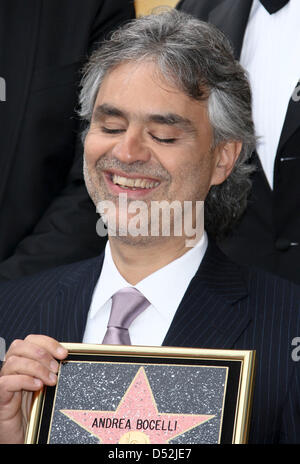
<point>46,216</point>
<point>272,220</point>
<point>225,306</point>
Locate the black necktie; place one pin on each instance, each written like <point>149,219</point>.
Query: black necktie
<point>272,6</point>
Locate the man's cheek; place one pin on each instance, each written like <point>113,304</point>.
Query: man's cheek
<point>93,147</point>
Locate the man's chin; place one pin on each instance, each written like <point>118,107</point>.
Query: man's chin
<point>134,241</point>
<point>139,240</point>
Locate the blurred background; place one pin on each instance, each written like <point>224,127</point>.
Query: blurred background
<point>145,7</point>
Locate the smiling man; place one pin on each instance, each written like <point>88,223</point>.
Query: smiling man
<point>168,113</point>
<point>152,142</point>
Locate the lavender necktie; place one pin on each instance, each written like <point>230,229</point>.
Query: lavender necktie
<point>127,304</point>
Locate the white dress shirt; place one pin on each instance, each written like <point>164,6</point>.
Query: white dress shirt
<point>271,55</point>
<point>164,289</point>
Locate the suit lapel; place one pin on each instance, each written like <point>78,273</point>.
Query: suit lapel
<point>21,25</point>
<point>231,17</point>
<point>64,317</point>
<point>292,119</point>
<point>209,315</point>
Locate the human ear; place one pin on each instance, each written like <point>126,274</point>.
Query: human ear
<point>227,154</point>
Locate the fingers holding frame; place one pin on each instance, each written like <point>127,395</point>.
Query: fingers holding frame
<point>35,356</point>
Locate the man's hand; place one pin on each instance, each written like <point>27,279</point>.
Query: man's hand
<point>29,364</point>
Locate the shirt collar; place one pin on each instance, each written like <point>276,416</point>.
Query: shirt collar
<point>164,289</point>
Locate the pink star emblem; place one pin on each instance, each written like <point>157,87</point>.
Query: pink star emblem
<point>136,419</point>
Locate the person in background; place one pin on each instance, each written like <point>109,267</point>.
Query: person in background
<point>46,216</point>
<point>265,36</point>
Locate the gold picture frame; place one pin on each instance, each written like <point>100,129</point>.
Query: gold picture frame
<point>135,394</point>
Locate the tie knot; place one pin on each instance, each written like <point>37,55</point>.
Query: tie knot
<point>127,304</point>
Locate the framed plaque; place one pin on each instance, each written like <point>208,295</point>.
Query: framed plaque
<point>109,394</point>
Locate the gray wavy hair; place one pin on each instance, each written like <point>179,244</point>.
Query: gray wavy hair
<point>198,59</point>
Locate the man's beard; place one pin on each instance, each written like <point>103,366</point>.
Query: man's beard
<point>116,219</point>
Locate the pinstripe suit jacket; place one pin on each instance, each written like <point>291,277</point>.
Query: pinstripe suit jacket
<point>225,306</point>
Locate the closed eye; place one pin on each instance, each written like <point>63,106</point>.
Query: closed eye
<point>106,130</point>
<point>170,140</point>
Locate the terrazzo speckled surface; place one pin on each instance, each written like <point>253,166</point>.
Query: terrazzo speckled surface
<point>176,389</point>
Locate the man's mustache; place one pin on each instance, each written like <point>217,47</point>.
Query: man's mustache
<point>145,169</point>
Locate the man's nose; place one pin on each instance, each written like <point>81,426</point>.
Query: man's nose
<point>132,147</point>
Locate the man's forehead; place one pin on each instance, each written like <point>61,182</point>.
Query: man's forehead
<point>163,118</point>
<point>142,88</point>
<point>130,69</point>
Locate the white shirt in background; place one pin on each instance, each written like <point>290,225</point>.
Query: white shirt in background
<point>271,55</point>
